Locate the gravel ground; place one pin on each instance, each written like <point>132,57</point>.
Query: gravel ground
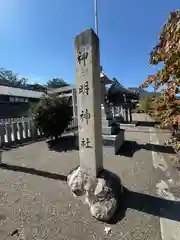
<point>36,201</point>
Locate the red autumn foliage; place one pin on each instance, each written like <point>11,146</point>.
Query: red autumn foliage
<point>167,52</point>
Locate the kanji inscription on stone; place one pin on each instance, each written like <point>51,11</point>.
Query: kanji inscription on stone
<point>82,57</point>
<point>85,115</point>
<point>88,88</point>
<point>84,88</point>
<point>85,142</point>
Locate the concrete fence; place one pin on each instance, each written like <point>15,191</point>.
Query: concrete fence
<point>73,124</point>
<point>22,129</point>
<point>15,130</point>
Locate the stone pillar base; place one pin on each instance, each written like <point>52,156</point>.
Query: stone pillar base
<point>102,194</point>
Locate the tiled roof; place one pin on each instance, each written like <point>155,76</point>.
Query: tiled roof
<point>18,92</point>
<point>61,89</point>
<point>105,79</point>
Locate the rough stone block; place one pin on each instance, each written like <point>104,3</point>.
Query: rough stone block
<point>107,123</point>
<point>107,130</point>
<point>113,130</point>
<point>114,140</point>
<point>102,194</point>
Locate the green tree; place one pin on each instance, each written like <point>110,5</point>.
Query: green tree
<point>53,115</point>
<point>56,83</point>
<point>9,78</point>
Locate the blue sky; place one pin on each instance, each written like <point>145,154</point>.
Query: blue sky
<point>37,36</point>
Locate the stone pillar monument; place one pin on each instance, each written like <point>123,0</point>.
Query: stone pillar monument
<point>88,87</point>
<point>90,180</point>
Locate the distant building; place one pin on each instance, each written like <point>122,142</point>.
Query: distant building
<point>70,92</point>
<point>118,94</point>
<point>143,93</point>
<point>15,102</point>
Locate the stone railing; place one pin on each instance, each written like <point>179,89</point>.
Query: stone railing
<point>115,111</point>
<point>73,124</point>
<point>18,130</point>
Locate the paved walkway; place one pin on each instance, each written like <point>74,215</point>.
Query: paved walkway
<point>36,201</point>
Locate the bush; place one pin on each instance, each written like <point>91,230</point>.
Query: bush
<point>53,115</point>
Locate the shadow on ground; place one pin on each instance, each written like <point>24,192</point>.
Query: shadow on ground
<point>147,131</point>
<point>33,171</point>
<point>130,147</point>
<point>21,143</point>
<point>134,200</point>
<point>147,123</point>
<point>148,204</point>
<point>63,144</point>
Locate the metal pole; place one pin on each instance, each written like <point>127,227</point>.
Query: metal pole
<point>96,16</point>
